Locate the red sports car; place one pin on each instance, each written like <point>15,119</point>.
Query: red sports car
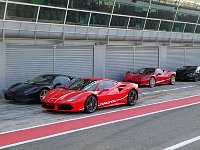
<point>89,94</point>
<point>151,77</point>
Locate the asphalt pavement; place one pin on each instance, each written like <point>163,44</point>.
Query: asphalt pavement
<point>156,131</point>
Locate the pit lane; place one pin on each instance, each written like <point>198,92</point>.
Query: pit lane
<point>17,116</point>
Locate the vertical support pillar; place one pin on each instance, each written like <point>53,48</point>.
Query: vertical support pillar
<point>162,58</point>
<point>99,60</point>
<point>2,67</point>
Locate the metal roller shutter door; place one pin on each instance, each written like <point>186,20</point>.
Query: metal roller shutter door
<point>118,61</point>
<point>26,62</point>
<point>192,56</point>
<point>175,58</point>
<point>145,57</point>
<point>76,61</point>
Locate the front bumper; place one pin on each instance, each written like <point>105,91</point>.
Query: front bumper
<point>16,97</point>
<point>61,107</point>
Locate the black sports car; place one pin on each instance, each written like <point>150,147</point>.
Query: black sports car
<point>188,73</point>
<point>34,90</point>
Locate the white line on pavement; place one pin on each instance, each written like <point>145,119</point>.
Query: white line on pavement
<point>167,90</point>
<point>179,145</point>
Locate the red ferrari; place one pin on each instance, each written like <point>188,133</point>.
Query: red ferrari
<point>89,94</point>
<point>151,77</point>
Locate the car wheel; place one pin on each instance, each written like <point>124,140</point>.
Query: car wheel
<point>90,104</point>
<point>196,78</point>
<point>172,80</point>
<point>132,97</point>
<point>43,93</point>
<point>152,82</point>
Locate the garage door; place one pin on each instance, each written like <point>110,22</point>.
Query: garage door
<point>76,61</point>
<point>26,62</point>
<point>145,57</point>
<point>175,58</point>
<point>118,61</point>
<point>192,56</point>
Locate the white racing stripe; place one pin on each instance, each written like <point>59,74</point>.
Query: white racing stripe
<point>160,91</point>
<point>179,145</point>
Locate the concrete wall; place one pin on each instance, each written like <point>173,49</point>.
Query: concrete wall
<point>167,58</point>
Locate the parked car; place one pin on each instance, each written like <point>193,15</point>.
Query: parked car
<point>34,90</point>
<point>89,94</point>
<point>188,73</point>
<point>151,77</point>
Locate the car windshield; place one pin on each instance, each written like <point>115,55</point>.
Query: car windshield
<point>43,79</point>
<point>84,84</point>
<point>146,71</point>
<point>189,68</point>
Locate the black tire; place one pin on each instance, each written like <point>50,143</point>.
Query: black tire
<point>196,78</point>
<point>42,93</point>
<point>132,97</point>
<point>172,80</point>
<point>91,104</point>
<point>152,82</point>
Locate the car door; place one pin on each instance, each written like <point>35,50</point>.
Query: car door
<point>107,93</point>
<point>160,77</point>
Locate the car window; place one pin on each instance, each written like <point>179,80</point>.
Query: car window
<point>106,84</point>
<point>61,79</point>
<point>158,71</point>
<point>146,71</point>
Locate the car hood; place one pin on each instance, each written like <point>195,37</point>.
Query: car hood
<point>60,94</point>
<point>22,87</point>
<point>131,76</point>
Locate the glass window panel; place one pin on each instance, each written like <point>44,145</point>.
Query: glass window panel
<point>187,15</point>
<point>152,24</point>
<point>21,12</point>
<point>99,20</point>
<point>165,26</point>
<point>95,5</point>
<point>132,7</point>
<point>77,17</point>
<point>178,27</point>
<point>58,3</point>
<point>189,28</point>
<point>162,12</point>
<point>118,21</point>
<point>136,23</point>
<point>51,15</point>
<point>2,7</point>
<point>197,29</point>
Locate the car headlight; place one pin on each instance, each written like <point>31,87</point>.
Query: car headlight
<point>30,90</point>
<point>191,75</point>
<point>73,98</point>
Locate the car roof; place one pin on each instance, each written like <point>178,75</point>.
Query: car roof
<point>98,79</point>
<point>55,75</point>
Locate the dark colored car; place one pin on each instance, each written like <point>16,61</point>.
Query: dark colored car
<point>188,73</point>
<point>34,90</point>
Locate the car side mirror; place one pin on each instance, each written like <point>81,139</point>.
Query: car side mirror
<point>158,74</point>
<point>104,90</point>
<point>57,85</point>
